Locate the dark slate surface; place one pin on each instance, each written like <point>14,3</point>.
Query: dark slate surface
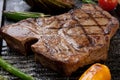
<point>1,8</point>
<point>29,66</point>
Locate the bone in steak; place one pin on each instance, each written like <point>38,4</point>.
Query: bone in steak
<point>65,42</point>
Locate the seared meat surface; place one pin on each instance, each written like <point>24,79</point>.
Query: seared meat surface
<point>67,41</point>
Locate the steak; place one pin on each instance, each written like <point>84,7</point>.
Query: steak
<point>64,42</point>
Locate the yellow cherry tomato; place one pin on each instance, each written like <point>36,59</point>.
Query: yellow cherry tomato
<point>96,72</point>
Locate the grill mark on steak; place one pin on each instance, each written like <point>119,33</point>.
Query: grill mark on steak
<point>105,16</point>
<point>89,39</point>
<point>97,23</point>
<point>91,16</point>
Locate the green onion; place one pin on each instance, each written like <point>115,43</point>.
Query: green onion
<point>17,16</point>
<point>8,67</point>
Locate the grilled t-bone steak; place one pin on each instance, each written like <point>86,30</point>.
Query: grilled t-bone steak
<point>67,41</point>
